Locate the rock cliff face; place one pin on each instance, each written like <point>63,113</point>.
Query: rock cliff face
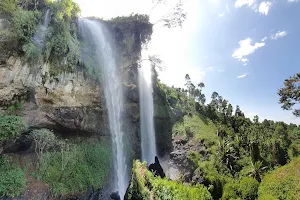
<point>74,103</point>
<point>68,101</point>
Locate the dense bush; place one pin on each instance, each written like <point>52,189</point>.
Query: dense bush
<point>75,167</point>
<point>164,190</point>
<point>144,185</point>
<point>7,7</point>
<point>10,127</point>
<point>24,24</point>
<point>246,188</point>
<point>283,183</point>
<point>12,179</point>
<point>62,47</point>
<point>32,52</point>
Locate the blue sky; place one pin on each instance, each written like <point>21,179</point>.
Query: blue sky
<point>242,49</point>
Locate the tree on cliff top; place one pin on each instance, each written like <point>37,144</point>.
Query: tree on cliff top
<point>290,94</point>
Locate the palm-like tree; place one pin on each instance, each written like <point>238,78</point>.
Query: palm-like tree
<point>227,153</point>
<point>256,170</point>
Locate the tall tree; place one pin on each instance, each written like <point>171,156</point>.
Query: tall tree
<point>238,112</point>
<point>200,97</point>
<point>229,110</point>
<point>174,17</point>
<point>214,100</point>
<point>290,94</point>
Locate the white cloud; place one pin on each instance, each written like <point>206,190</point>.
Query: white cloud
<point>292,1</point>
<point>279,34</point>
<point>221,14</point>
<point>264,7</point>
<point>246,48</point>
<point>242,76</point>
<point>240,3</point>
<point>264,39</point>
<point>244,60</point>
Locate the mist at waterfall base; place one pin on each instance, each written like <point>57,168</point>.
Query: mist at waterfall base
<point>100,47</point>
<point>148,142</point>
<point>39,37</point>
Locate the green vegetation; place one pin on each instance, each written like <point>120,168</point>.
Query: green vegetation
<point>32,52</point>
<point>194,126</point>
<point>12,179</point>
<point>44,139</point>
<point>289,94</point>
<point>74,168</point>
<point>246,188</point>
<point>15,108</point>
<point>145,186</point>
<point>282,183</point>
<point>234,152</point>
<point>62,47</point>
<point>10,127</point>
<point>24,24</point>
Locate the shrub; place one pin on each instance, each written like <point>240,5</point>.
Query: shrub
<point>144,184</point>
<point>164,190</point>
<point>43,139</point>
<point>283,183</point>
<point>24,24</point>
<point>10,127</point>
<point>75,168</point>
<point>246,188</point>
<point>12,179</point>
<point>7,7</point>
<point>32,52</point>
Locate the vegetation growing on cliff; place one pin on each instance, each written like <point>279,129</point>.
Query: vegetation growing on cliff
<point>144,185</point>
<point>61,44</point>
<point>10,127</point>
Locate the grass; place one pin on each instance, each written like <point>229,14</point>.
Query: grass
<point>283,183</point>
<point>194,126</point>
<point>75,169</point>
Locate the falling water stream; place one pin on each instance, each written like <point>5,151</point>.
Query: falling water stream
<point>148,142</point>
<point>39,37</point>
<point>98,36</point>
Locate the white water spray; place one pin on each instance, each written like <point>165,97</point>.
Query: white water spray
<point>148,142</point>
<point>96,34</point>
<point>39,37</point>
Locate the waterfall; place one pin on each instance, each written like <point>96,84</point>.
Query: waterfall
<point>148,142</point>
<point>98,42</point>
<point>39,37</point>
